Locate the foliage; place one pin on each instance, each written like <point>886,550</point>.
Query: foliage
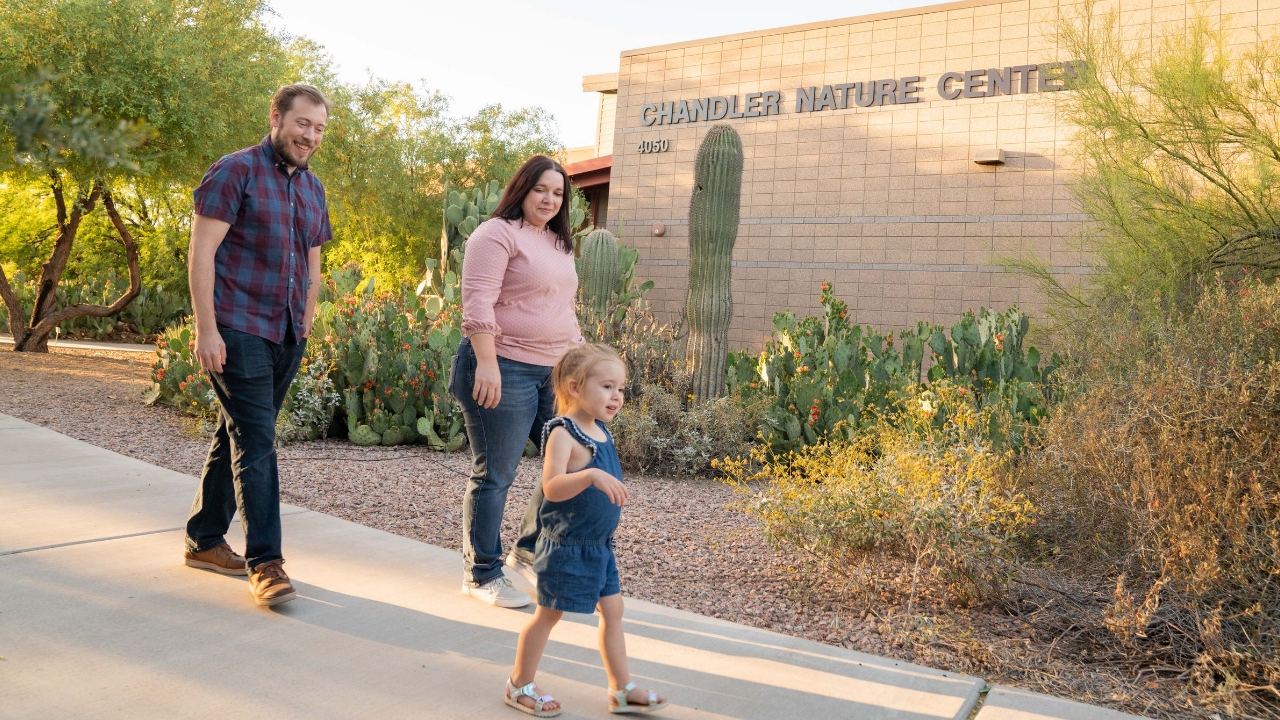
<point>943,504</point>
<point>1179,142</point>
<point>392,158</point>
<point>29,117</point>
<point>150,313</point>
<point>380,165</point>
<point>92,80</point>
<point>825,376</point>
<point>1160,471</point>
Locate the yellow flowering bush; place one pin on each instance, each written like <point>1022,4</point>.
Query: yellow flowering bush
<point>937,498</point>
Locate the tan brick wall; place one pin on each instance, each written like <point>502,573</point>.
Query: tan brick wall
<point>885,202</point>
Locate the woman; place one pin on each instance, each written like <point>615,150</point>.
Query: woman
<point>518,316</point>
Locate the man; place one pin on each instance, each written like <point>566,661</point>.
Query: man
<point>260,219</point>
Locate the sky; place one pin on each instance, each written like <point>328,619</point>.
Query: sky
<point>524,53</point>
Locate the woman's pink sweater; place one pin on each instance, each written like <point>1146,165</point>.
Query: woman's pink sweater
<point>519,287</point>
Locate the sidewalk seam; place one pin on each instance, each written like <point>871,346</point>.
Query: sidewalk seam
<point>114,537</point>
<point>987,687</point>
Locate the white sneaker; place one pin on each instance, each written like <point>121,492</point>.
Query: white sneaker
<point>523,569</point>
<point>498,591</point>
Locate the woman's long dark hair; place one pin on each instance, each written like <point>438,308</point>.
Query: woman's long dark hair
<point>512,205</point>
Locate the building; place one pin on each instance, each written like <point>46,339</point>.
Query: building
<point>898,155</point>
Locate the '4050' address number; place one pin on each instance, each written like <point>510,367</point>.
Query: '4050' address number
<point>653,146</point>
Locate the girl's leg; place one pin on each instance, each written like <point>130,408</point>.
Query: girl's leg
<point>613,643</point>
<point>529,649</point>
<point>613,649</point>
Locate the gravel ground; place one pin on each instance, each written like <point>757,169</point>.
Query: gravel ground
<point>680,544</point>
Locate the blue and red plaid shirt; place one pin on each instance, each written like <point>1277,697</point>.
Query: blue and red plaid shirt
<point>260,270</point>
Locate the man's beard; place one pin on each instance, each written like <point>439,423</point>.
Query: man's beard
<point>285,153</point>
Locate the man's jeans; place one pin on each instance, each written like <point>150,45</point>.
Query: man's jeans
<point>240,471</point>
<point>497,436</point>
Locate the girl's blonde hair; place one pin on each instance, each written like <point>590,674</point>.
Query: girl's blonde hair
<point>576,364</point>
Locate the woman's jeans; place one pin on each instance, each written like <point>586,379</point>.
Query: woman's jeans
<point>497,436</point>
<point>240,471</point>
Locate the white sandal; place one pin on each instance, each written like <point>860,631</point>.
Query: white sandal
<point>513,699</point>
<point>621,707</point>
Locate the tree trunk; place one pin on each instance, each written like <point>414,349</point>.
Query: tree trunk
<point>44,317</point>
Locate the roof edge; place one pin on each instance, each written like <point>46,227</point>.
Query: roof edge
<point>603,82</point>
<point>887,15</point>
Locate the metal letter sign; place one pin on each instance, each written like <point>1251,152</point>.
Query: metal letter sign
<point>977,83</point>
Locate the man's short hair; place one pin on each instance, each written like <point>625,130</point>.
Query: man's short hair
<point>283,100</point>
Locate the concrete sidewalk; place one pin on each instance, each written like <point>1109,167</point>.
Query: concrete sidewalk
<point>90,345</point>
<point>99,619</point>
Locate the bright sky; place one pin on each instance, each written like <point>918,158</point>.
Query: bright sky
<point>529,52</point>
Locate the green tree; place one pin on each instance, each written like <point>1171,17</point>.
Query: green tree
<point>124,103</point>
<point>1178,140</point>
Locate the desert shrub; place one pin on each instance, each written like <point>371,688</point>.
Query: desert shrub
<point>309,406</point>
<point>1161,471</point>
<point>941,500</point>
<point>661,431</point>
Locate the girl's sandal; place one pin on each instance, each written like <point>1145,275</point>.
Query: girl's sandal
<point>619,705</point>
<point>513,699</point>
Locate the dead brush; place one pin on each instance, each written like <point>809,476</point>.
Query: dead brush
<point>1160,474</point>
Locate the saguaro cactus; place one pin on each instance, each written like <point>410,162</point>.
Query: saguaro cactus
<point>713,229</point>
<point>598,271</point>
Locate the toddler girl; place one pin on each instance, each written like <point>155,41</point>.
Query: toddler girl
<point>582,484</point>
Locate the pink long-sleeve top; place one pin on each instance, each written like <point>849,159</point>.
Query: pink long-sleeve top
<point>519,287</point>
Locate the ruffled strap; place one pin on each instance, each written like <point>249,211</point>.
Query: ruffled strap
<point>574,430</point>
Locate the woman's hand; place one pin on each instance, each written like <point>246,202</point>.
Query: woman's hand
<point>487,390</point>
<point>610,486</point>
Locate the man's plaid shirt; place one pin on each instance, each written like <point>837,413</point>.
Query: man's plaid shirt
<point>261,273</point>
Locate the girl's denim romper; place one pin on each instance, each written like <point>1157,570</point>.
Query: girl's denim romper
<point>574,557</point>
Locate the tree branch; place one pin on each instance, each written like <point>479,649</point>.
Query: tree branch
<point>46,324</point>
<point>51,271</point>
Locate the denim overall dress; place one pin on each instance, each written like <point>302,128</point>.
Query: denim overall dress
<point>574,557</point>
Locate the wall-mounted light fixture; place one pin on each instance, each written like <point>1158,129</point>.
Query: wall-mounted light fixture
<point>989,156</point>
<point>659,229</point>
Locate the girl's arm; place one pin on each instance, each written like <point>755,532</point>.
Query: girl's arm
<point>559,485</point>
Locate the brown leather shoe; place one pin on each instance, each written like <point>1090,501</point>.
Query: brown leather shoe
<point>269,584</point>
<point>220,559</point>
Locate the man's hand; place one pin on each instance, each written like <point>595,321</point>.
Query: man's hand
<point>211,352</point>
<point>610,486</point>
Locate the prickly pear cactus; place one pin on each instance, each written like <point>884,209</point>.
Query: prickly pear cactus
<point>463,213</point>
<point>364,436</point>
<point>598,271</point>
<point>713,229</point>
